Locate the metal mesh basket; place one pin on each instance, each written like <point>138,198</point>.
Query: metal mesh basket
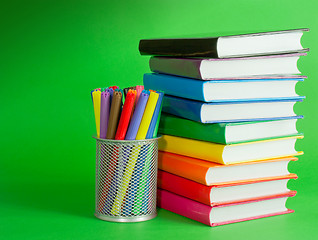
<point>126,180</point>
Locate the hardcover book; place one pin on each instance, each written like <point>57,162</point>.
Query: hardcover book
<point>224,193</point>
<point>226,46</point>
<point>221,112</point>
<point>229,154</point>
<point>224,90</point>
<point>210,173</point>
<point>213,68</point>
<point>223,214</point>
<point>226,133</point>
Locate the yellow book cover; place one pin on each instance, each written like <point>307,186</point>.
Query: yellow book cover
<point>230,154</point>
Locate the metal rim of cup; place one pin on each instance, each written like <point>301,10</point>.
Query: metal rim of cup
<point>126,141</point>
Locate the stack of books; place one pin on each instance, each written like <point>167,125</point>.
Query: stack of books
<point>228,126</point>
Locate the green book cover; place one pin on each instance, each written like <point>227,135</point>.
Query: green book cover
<point>176,126</point>
<point>216,132</point>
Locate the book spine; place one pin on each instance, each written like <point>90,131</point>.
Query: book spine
<point>182,166</point>
<point>175,86</point>
<point>176,126</point>
<point>182,108</point>
<point>193,148</point>
<point>175,66</point>
<point>184,187</point>
<point>182,47</point>
<point>185,207</point>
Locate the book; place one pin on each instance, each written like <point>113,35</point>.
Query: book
<point>225,46</point>
<point>221,112</point>
<point>224,90</point>
<point>224,193</point>
<point>210,173</point>
<point>214,68</point>
<point>223,214</point>
<point>229,154</point>
<point>227,133</point>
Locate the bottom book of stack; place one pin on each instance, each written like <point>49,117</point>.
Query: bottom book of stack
<point>223,214</point>
<point>217,194</point>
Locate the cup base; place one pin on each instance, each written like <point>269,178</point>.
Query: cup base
<point>125,219</point>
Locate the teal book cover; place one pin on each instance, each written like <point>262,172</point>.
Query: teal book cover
<point>227,112</point>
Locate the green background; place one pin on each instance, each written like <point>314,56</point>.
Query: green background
<point>54,52</point>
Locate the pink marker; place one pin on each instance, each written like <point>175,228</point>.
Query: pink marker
<point>139,89</point>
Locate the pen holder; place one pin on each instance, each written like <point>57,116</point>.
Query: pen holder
<point>126,179</point>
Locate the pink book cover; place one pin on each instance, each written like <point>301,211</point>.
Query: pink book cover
<point>201,212</point>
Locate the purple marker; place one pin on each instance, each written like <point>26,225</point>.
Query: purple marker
<point>104,113</point>
<point>137,116</point>
<point>111,91</point>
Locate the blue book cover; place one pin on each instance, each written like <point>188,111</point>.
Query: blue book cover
<point>220,90</point>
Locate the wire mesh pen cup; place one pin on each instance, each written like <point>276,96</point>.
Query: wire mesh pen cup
<point>126,179</point>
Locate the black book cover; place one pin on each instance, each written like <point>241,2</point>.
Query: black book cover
<point>200,47</point>
<point>195,47</point>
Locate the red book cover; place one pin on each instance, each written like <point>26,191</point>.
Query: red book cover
<point>202,193</point>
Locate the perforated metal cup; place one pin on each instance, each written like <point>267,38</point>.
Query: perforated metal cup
<point>126,180</point>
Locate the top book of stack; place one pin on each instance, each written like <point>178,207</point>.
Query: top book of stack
<point>256,44</point>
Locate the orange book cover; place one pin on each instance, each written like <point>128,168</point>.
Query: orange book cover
<point>198,170</point>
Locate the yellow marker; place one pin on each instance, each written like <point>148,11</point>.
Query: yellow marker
<point>141,134</point>
<point>146,118</point>
<point>125,180</point>
<point>96,100</point>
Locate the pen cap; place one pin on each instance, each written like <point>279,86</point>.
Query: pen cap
<point>139,90</point>
<point>154,124</point>
<point>111,91</point>
<point>147,116</point>
<point>104,113</point>
<point>114,114</point>
<point>137,116</point>
<point>125,115</point>
<point>96,102</point>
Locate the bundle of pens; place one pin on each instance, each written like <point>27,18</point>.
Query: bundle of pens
<point>138,118</point>
<point>125,168</point>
